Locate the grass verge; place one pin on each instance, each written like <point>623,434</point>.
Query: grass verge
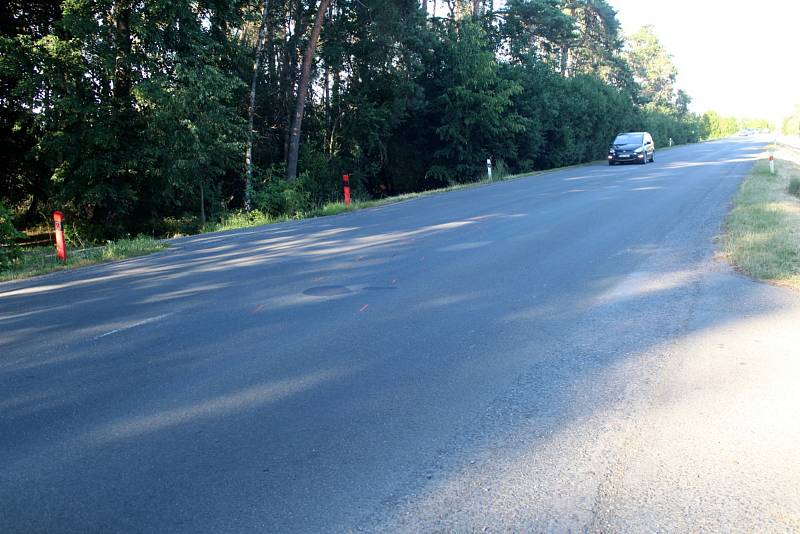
<point>762,232</point>
<point>42,260</point>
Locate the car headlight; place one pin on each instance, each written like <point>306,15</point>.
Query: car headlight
<point>611,151</point>
<point>639,150</point>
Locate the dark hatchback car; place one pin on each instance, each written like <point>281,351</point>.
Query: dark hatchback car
<point>632,147</point>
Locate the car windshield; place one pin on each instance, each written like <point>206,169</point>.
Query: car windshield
<point>628,139</point>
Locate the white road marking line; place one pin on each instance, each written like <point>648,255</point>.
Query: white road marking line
<point>134,325</point>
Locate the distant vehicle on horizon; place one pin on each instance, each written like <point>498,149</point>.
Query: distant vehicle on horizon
<point>632,147</point>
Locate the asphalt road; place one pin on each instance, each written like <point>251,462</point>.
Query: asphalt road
<point>561,352</point>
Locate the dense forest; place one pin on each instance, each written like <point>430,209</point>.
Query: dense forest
<point>153,116</point>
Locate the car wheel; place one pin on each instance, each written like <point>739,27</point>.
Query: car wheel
<point>652,157</point>
<point>644,159</point>
<point>610,163</point>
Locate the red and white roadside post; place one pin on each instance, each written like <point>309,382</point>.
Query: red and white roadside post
<point>771,163</point>
<point>61,244</point>
<point>346,184</point>
<point>489,168</point>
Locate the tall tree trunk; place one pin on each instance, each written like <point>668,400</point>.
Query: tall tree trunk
<point>565,47</point>
<point>295,29</point>
<point>251,109</point>
<point>476,8</point>
<point>425,7</point>
<point>122,38</point>
<point>270,67</point>
<point>302,92</point>
<point>335,112</point>
<point>326,103</point>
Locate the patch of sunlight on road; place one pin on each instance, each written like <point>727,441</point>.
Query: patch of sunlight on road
<point>689,164</point>
<point>312,246</point>
<point>722,434</point>
<point>45,309</point>
<point>9,404</point>
<point>643,283</point>
<point>212,408</point>
<point>361,243</point>
<point>449,300</point>
<point>465,246</point>
<point>34,290</point>
<point>183,293</point>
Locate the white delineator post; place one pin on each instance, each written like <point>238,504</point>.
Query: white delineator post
<point>771,164</point>
<point>489,167</point>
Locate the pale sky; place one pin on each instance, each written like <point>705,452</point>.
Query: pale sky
<point>738,57</point>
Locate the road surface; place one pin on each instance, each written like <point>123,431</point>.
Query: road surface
<point>560,352</point>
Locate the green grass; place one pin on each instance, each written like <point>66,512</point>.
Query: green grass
<point>42,260</point>
<point>762,236</point>
<point>242,219</point>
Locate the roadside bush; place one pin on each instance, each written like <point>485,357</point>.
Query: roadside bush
<point>794,186</point>
<point>8,236</point>
<point>277,197</point>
